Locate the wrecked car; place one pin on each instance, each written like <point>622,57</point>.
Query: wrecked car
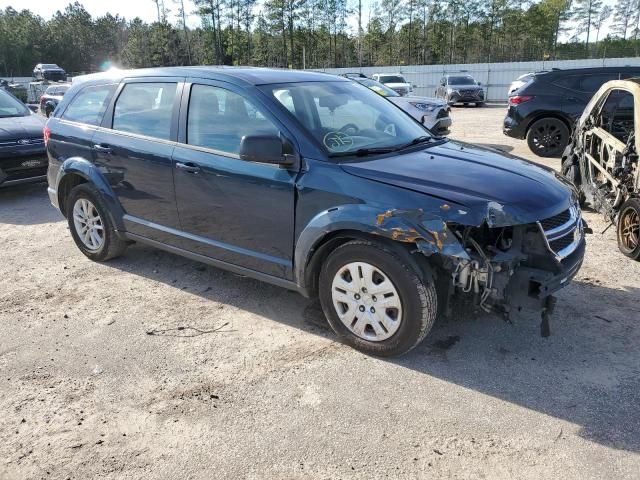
<point>313,183</point>
<point>602,159</point>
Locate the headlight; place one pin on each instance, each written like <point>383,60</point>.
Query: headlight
<point>427,107</point>
<point>453,91</point>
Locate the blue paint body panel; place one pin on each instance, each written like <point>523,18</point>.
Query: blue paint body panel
<point>265,220</point>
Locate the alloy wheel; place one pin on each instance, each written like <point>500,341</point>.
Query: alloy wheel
<point>630,229</point>
<point>88,224</point>
<point>548,138</point>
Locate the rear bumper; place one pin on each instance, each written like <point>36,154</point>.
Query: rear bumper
<point>513,128</point>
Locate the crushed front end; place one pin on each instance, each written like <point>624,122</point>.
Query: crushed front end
<point>509,269</point>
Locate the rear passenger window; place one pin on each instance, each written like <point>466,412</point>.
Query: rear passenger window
<point>89,105</point>
<point>145,109</point>
<point>219,118</point>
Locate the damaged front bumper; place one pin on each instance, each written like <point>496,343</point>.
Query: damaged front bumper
<point>505,269</point>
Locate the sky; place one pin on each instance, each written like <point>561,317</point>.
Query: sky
<point>146,9</point>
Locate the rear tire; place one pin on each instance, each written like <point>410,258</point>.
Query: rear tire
<point>90,224</point>
<point>548,137</point>
<point>628,229</point>
<point>384,280</point>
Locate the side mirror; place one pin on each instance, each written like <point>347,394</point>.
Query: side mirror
<point>479,83</point>
<point>264,149</point>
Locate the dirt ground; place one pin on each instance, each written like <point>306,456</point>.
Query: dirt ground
<point>152,366</point>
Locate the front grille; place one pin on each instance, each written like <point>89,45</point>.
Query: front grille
<point>22,142</point>
<point>563,231</point>
<point>561,243</point>
<point>556,220</point>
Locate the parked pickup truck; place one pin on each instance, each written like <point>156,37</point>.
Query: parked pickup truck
<point>313,183</point>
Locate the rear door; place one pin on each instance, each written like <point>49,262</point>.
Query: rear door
<point>134,147</point>
<point>578,90</point>
<point>233,210</point>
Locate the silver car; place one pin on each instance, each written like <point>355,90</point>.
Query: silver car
<point>431,112</point>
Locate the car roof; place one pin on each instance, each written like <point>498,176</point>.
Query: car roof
<point>237,75</point>
<point>581,71</point>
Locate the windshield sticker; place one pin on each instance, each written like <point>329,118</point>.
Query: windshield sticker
<point>337,141</point>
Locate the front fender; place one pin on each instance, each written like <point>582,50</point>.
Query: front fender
<point>91,174</point>
<point>428,232</point>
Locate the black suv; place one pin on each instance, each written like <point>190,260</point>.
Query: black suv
<point>49,72</point>
<point>314,183</point>
<point>545,109</point>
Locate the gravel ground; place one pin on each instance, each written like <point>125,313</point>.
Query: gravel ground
<point>152,366</point>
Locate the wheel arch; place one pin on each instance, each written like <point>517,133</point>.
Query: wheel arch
<point>410,233</point>
<point>75,171</point>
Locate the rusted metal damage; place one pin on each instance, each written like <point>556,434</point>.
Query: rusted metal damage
<point>504,269</point>
<point>602,160</point>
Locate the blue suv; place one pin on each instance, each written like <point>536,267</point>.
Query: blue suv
<point>314,183</point>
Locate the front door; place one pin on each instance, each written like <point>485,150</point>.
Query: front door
<point>134,148</point>
<point>236,211</point>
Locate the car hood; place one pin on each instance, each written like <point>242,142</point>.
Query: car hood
<point>408,99</point>
<point>398,85</point>
<point>15,128</point>
<point>472,185</point>
<point>466,87</point>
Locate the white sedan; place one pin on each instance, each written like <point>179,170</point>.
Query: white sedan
<point>431,112</point>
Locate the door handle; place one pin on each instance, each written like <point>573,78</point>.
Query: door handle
<point>102,148</point>
<point>188,167</point>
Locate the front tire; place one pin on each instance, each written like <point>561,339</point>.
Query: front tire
<point>90,224</point>
<point>629,229</point>
<point>548,137</point>
<point>375,300</point>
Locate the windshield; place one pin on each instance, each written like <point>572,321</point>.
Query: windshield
<point>11,106</point>
<point>379,88</point>
<point>347,118</point>
<point>461,80</point>
<point>50,65</point>
<point>392,79</point>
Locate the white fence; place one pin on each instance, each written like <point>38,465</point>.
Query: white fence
<point>495,77</point>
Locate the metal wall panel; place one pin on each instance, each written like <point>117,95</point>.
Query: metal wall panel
<point>496,77</point>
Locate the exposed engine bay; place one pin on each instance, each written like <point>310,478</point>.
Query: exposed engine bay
<point>515,268</point>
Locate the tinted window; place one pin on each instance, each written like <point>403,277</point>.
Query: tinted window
<point>616,116</point>
<point>89,105</point>
<point>391,79</point>
<point>462,80</point>
<point>591,83</point>
<point>219,118</point>
<point>145,109</point>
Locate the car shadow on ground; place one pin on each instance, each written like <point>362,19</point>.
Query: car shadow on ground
<point>586,373</point>
<point>27,205</point>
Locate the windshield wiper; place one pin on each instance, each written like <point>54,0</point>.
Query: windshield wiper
<point>417,141</point>
<point>363,152</point>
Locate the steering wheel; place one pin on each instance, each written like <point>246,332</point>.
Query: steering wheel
<point>350,129</point>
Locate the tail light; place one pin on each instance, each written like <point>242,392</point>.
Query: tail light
<point>518,99</point>
<point>47,134</point>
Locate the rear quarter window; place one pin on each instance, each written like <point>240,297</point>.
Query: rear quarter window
<point>89,105</point>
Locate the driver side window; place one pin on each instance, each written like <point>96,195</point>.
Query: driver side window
<point>617,115</point>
